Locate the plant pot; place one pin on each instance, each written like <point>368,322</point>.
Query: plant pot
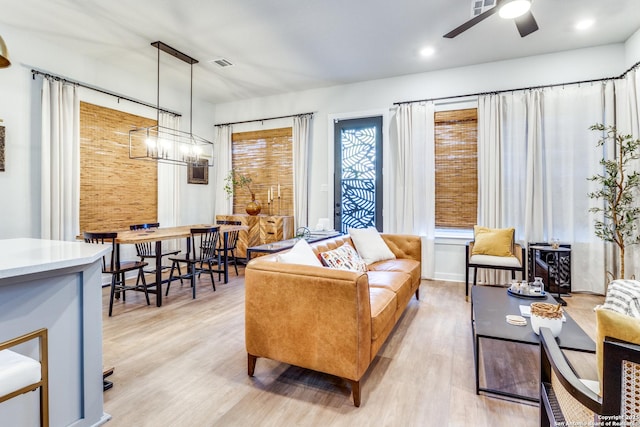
<point>253,207</point>
<point>544,316</point>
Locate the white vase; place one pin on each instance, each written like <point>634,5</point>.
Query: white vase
<point>538,322</point>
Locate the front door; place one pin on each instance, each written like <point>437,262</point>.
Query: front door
<point>358,173</point>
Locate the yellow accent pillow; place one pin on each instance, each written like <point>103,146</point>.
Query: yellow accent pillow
<point>492,241</point>
<point>614,325</point>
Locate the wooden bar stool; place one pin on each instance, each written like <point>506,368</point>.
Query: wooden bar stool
<point>20,374</point>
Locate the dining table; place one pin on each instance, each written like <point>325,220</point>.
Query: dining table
<point>159,234</point>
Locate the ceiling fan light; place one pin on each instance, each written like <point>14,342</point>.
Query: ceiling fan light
<point>514,8</point>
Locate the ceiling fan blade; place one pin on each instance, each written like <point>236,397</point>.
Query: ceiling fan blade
<point>470,23</point>
<point>526,24</point>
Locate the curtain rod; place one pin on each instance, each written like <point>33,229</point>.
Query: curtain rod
<point>106,92</point>
<point>495,92</point>
<point>263,120</point>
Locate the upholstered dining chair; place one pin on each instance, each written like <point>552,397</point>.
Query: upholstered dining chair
<point>199,257</point>
<point>21,374</point>
<point>496,249</point>
<point>147,249</point>
<point>232,243</point>
<point>112,265</point>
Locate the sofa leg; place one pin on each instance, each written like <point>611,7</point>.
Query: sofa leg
<point>355,391</point>
<point>418,294</point>
<point>251,364</point>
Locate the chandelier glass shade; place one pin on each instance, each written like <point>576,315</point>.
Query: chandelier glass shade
<point>167,145</point>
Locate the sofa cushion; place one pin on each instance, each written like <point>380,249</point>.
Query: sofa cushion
<point>383,310</point>
<point>408,266</point>
<point>300,253</point>
<point>370,245</point>
<point>343,258</point>
<point>399,283</point>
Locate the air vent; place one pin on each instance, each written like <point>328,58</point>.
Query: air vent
<point>221,62</point>
<point>480,6</point>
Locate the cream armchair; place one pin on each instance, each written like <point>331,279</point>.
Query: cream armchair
<point>493,249</point>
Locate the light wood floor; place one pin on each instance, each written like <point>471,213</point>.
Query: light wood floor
<point>184,364</point>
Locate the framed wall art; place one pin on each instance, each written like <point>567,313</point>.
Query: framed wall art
<point>198,172</point>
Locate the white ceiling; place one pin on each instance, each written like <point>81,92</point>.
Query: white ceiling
<point>280,46</point>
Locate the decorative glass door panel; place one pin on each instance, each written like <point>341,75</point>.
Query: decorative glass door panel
<point>358,173</point>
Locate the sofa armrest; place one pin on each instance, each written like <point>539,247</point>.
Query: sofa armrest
<point>313,317</point>
<point>405,246</point>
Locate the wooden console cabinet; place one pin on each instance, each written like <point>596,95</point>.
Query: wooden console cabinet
<point>262,229</point>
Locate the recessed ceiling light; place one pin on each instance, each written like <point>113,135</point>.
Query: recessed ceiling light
<point>427,51</point>
<point>584,24</point>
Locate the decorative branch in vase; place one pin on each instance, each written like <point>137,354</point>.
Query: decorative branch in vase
<point>619,182</point>
<point>235,179</point>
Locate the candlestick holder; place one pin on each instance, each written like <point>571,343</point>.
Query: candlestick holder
<point>279,206</point>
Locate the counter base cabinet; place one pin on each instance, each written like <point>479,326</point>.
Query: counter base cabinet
<point>262,229</point>
<point>68,302</point>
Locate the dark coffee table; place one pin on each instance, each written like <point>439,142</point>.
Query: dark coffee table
<point>489,307</point>
<point>281,245</point>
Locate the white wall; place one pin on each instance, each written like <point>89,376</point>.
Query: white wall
<point>20,106</point>
<point>632,50</point>
<point>349,100</point>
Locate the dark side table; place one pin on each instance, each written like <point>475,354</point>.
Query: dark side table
<point>546,261</point>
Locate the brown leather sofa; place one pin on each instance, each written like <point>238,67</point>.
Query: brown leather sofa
<point>324,319</point>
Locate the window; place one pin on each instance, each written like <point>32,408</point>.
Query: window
<point>456,162</point>
<point>115,191</point>
<point>266,156</point>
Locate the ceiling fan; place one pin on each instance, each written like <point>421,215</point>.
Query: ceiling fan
<point>518,10</point>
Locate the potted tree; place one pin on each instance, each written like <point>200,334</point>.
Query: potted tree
<point>618,183</point>
<point>235,179</point>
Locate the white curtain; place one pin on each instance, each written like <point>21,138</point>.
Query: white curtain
<point>413,210</point>
<point>170,177</point>
<point>60,198</point>
<point>546,153</point>
<point>490,173</point>
<point>571,156</point>
<point>628,122</point>
<point>301,142</point>
<point>169,180</point>
<point>222,166</point>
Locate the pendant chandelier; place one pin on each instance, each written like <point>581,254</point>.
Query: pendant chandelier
<point>167,145</point>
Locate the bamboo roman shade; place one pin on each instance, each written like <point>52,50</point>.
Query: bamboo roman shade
<point>267,157</point>
<point>456,159</point>
<point>115,191</point>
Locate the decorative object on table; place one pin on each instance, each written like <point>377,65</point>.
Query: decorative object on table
<point>555,243</point>
<point>546,315</point>
<point>303,233</point>
<point>526,294</point>
<point>167,145</point>
<point>618,184</point>
<point>235,179</point>
<point>514,319</point>
<point>198,172</point>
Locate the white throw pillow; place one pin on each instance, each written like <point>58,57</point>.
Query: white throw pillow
<point>300,253</point>
<point>370,245</point>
